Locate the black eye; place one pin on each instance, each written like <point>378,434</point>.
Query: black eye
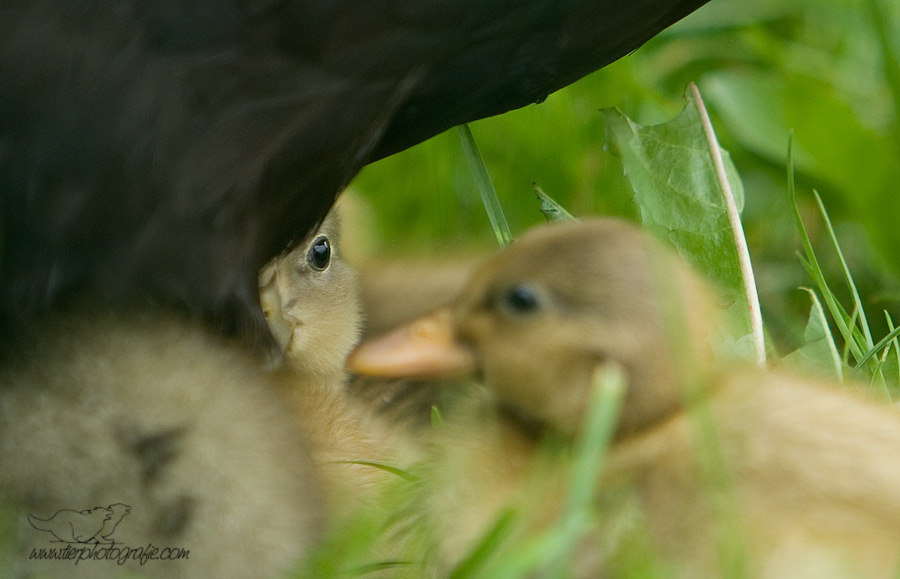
<point>520,300</point>
<point>319,254</point>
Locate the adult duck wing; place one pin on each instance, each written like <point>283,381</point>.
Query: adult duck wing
<point>164,150</point>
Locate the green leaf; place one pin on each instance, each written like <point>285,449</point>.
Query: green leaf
<point>551,210</point>
<point>676,187</point>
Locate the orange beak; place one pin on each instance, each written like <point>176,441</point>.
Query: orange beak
<point>425,348</point>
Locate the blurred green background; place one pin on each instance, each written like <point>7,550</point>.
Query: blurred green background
<point>826,70</point>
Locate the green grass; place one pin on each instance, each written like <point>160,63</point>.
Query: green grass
<point>485,187</point>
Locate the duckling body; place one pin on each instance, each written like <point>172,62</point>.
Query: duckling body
<point>151,413</point>
<point>800,476</point>
<point>808,481</point>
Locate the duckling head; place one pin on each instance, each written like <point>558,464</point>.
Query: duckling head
<point>535,323</point>
<point>310,299</point>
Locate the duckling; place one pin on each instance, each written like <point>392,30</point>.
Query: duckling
<point>311,302</point>
<point>809,469</point>
<point>173,435</point>
<point>310,299</point>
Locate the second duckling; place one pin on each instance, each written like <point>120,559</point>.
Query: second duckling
<point>809,472</point>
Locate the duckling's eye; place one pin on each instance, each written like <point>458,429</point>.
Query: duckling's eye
<point>319,255</point>
<point>520,300</point>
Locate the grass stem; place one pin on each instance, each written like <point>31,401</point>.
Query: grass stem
<point>485,187</point>
<point>734,219</point>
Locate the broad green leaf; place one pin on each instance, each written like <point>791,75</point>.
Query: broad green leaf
<point>675,185</point>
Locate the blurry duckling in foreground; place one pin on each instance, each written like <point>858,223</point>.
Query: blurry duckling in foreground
<point>811,470</point>
<point>177,431</point>
<point>152,411</point>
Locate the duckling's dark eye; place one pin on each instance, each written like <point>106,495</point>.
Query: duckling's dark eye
<point>319,254</point>
<point>520,300</point>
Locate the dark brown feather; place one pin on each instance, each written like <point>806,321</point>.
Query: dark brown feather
<point>164,150</point>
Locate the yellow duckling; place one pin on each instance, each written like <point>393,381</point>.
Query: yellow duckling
<point>808,472</point>
<point>311,301</point>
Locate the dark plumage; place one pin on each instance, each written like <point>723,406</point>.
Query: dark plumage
<point>164,150</point>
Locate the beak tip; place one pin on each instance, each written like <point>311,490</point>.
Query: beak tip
<point>426,348</point>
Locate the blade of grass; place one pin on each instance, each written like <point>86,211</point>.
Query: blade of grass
<point>896,345</point>
<point>527,559</point>
<point>491,542</point>
<point>810,261</point>
<point>854,329</point>
<point>557,543</point>
<point>405,475</point>
<point>352,545</point>
<point>436,418</point>
<point>873,351</point>
<point>829,338</point>
<point>485,187</point>
<point>847,323</point>
<point>378,567</point>
<point>608,390</point>
<point>859,325</point>
<point>882,360</point>
<point>811,264</point>
<point>848,277</point>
